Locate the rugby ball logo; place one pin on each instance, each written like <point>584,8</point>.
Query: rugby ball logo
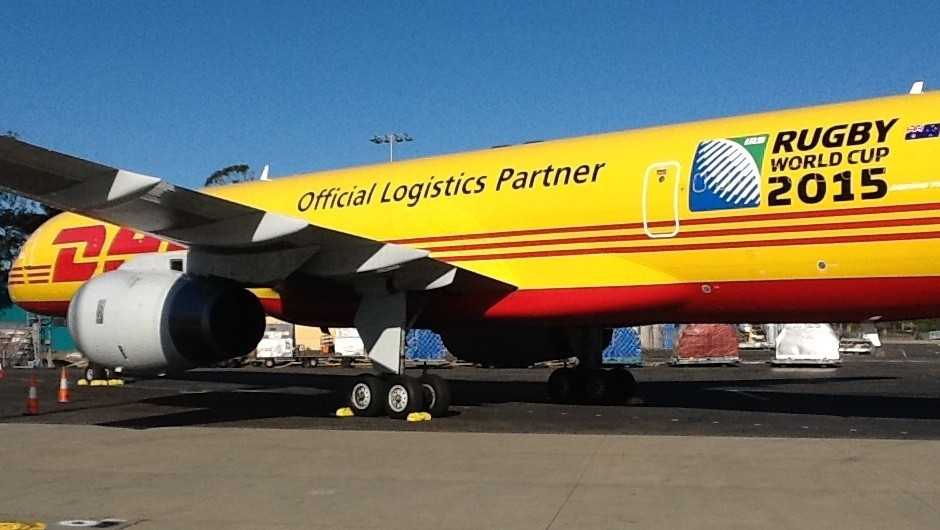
<point>726,174</point>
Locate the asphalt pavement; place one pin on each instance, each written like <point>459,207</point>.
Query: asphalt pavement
<point>716,446</point>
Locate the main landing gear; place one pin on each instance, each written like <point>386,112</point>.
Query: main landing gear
<point>399,395</point>
<point>589,382</point>
<point>381,322</point>
<point>594,386</point>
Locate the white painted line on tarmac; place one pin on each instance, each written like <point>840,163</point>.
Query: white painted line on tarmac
<point>746,394</point>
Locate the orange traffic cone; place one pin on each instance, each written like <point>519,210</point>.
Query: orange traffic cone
<point>32,402</point>
<point>63,387</point>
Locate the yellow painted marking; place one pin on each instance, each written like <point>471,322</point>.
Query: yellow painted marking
<point>21,525</point>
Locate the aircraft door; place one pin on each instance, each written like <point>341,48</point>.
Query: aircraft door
<point>661,199</point>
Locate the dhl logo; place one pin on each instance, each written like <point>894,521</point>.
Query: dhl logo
<point>84,254</point>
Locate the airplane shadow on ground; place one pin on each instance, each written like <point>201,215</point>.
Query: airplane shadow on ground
<point>264,398</point>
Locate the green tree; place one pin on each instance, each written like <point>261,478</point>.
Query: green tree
<point>19,217</point>
<point>230,175</point>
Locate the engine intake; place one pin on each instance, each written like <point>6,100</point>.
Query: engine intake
<point>154,321</point>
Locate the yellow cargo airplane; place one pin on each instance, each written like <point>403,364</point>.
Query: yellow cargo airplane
<point>513,254</point>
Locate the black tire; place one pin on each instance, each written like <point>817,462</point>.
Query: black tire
<point>624,385</point>
<point>404,396</point>
<point>346,362</point>
<point>367,396</point>
<point>305,362</point>
<point>598,387</point>
<point>269,363</point>
<point>563,385</point>
<point>436,394</point>
<point>96,371</point>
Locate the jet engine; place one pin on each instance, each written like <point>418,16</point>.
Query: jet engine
<point>156,321</point>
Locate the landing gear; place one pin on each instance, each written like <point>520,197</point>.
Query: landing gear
<point>563,385</point>
<point>436,394</point>
<point>594,386</point>
<point>381,321</point>
<point>96,371</point>
<point>405,395</point>
<point>399,395</point>
<point>366,396</point>
<point>590,383</point>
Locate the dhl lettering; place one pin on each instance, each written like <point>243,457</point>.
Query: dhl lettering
<point>130,242</point>
<point>66,268</point>
<point>125,242</point>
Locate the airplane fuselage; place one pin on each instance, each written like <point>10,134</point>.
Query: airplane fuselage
<point>829,213</point>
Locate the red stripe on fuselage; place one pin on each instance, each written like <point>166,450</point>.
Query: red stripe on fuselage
<point>816,214</point>
<point>821,227</point>
<point>694,246</point>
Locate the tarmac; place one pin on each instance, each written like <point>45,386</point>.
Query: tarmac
<point>707,447</point>
<point>269,478</point>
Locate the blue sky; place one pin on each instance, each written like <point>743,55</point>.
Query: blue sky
<point>180,89</point>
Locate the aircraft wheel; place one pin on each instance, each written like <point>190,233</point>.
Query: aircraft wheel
<point>305,363</point>
<point>624,385</point>
<point>365,398</point>
<point>436,394</point>
<point>563,385</point>
<point>96,371</point>
<point>598,387</point>
<point>269,363</point>
<point>404,396</point>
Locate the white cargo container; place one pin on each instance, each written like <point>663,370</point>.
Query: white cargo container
<point>807,344</point>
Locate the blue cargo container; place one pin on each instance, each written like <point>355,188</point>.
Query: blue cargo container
<point>624,348</point>
<point>424,345</point>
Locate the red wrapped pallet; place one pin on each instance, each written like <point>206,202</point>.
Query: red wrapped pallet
<point>707,344</point>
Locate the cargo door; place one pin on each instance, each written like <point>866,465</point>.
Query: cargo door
<point>661,199</point>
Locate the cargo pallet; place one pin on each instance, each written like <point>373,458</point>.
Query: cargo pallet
<point>713,361</point>
<point>822,363</point>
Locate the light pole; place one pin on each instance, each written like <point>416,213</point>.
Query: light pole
<point>390,139</point>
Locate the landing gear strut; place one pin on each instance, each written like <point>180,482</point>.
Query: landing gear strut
<point>381,322</point>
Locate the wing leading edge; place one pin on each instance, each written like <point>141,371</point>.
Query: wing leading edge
<point>226,238</point>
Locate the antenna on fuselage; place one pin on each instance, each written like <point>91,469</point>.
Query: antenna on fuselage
<point>264,173</point>
<point>917,87</point>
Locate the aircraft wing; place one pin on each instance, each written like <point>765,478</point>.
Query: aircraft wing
<point>220,233</point>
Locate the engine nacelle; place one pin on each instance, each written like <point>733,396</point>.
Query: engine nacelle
<point>155,321</point>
